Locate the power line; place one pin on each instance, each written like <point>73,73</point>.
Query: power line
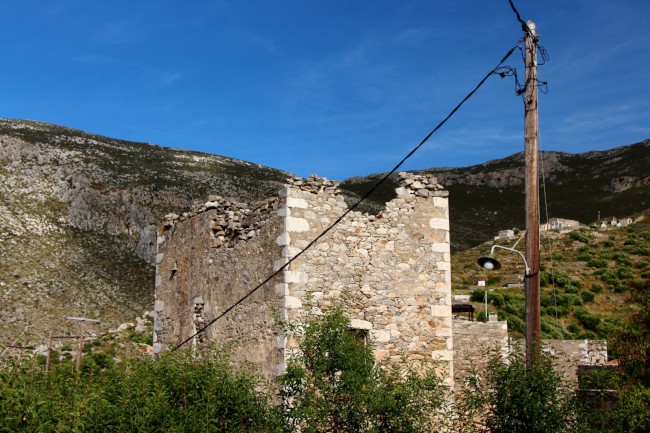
<point>354,206</point>
<point>524,25</point>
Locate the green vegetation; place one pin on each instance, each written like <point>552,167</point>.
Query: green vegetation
<point>177,393</point>
<point>507,397</point>
<point>584,294</point>
<point>334,384</point>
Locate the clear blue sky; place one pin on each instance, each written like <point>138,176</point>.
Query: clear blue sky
<point>334,87</point>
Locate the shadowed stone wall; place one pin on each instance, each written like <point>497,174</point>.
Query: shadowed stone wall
<point>206,261</point>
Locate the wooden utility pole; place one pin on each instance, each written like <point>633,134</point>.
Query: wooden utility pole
<point>531,127</point>
<point>49,353</point>
<point>80,347</point>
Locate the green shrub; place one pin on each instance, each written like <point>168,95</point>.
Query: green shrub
<point>493,281</point>
<point>176,393</point>
<point>558,278</point>
<point>623,259</point>
<point>587,296</point>
<point>580,236</point>
<point>497,299</point>
<point>596,288</point>
<point>571,290</point>
<point>588,320</point>
<point>552,328</point>
<point>625,273</point>
<point>574,328</point>
<point>597,263</point>
<point>587,335</point>
<point>477,295</point>
<point>509,397</point>
<point>516,325</point>
<point>334,384</point>
<point>642,264</point>
<point>558,311</point>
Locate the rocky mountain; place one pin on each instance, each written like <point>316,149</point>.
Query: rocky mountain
<point>489,197</point>
<point>78,218</point>
<point>79,212</point>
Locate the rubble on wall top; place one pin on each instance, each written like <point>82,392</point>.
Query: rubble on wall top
<point>315,184</point>
<point>419,185</point>
<point>234,221</point>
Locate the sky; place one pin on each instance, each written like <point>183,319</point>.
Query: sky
<point>340,88</point>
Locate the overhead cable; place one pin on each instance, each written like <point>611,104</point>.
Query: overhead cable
<point>355,205</point>
<point>524,25</point>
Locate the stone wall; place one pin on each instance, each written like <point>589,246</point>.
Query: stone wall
<point>206,261</point>
<point>474,343</point>
<point>389,272</point>
<point>473,340</point>
<point>571,353</point>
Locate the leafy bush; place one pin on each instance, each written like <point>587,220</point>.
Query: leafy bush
<point>623,259</point>
<point>493,281</point>
<point>558,311</point>
<point>572,290</point>
<point>573,328</point>
<point>596,288</point>
<point>580,236</point>
<point>552,328</point>
<point>509,397</point>
<point>497,299</point>
<point>175,393</point>
<point>587,296</point>
<point>625,273</point>
<point>558,278</point>
<point>516,325</point>
<point>588,320</point>
<point>477,295</point>
<point>597,263</point>
<point>612,279</point>
<point>333,384</point>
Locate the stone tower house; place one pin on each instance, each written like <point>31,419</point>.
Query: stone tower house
<point>389,272</point>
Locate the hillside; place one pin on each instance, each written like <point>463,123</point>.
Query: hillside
<point>489,197</point>
<point>78,212</point>
<point>587,278</point>
<point>78,217</point>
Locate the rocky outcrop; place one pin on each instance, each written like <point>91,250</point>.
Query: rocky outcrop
<point>78,170</point>
<point>623,183</point>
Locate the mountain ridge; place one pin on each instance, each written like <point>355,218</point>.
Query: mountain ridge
<point>79,212</point>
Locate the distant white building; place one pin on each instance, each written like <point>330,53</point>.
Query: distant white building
<point>505,234</point>
<point>562,224</point>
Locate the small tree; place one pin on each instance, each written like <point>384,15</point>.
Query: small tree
<point>508,397</point>
<point>334,385</point>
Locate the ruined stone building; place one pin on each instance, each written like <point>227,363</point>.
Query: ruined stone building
<point>389,272</point>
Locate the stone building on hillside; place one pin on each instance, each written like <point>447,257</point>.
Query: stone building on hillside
<point>390,273</point>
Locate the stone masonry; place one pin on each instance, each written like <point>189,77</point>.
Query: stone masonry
<point>389,272</point>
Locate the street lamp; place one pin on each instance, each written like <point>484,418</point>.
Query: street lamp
<point>533,331</point>
<point>490,263</point>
